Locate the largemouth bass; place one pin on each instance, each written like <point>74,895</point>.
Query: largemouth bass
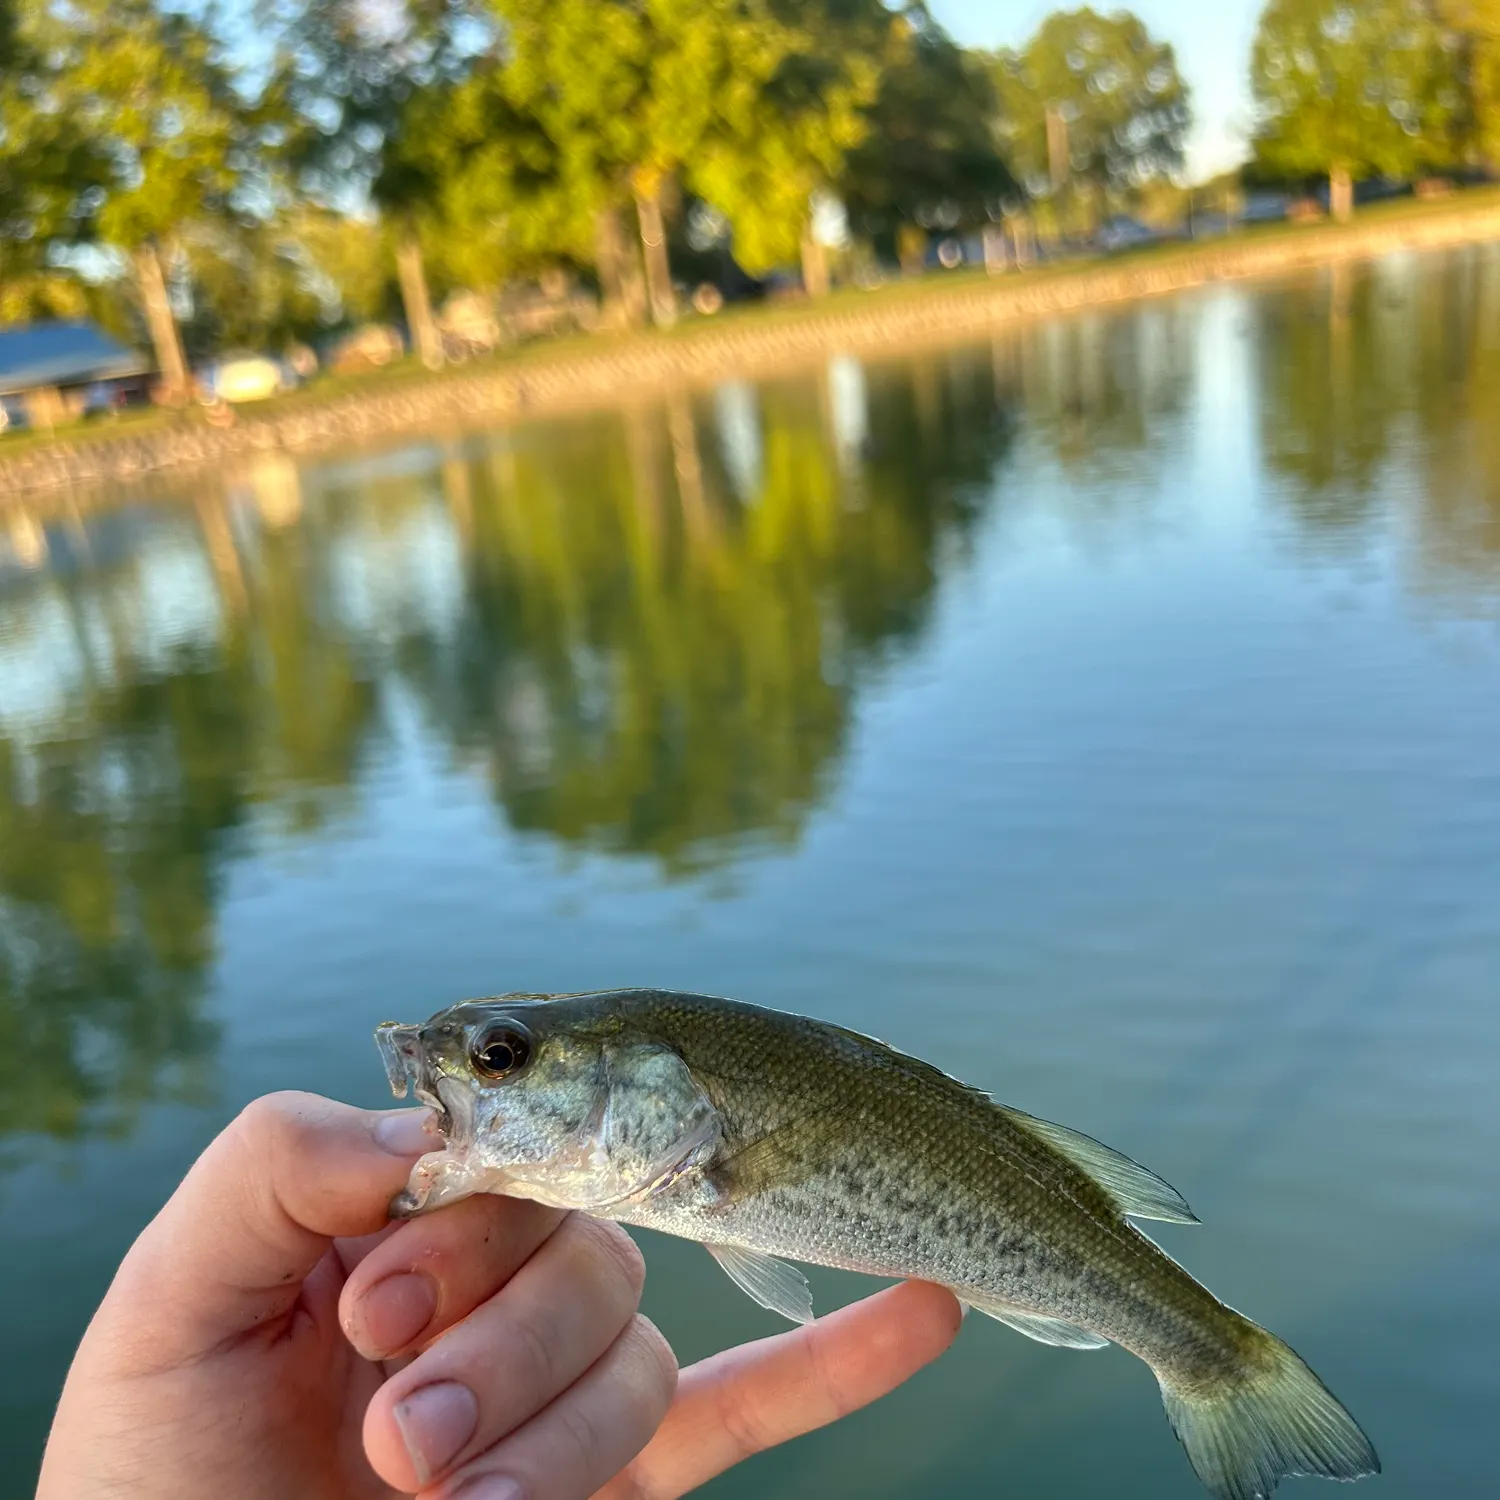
<point>765,1135</point>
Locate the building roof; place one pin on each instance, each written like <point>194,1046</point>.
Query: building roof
<point>42,354</point>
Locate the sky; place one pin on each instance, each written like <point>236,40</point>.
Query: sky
<point>1212,39</point>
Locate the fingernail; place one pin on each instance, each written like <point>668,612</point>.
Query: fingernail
<point>435,1422</point>
<point>407,1132</point>
<point>391,1314</point>
<point>492,1487</point>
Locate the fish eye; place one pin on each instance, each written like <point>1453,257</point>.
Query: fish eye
<point>500,1051</point>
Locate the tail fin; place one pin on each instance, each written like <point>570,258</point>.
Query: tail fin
<point>1273,1418</point>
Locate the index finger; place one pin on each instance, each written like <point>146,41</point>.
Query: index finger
<point>258,1210</point>
<point>762,1394</point>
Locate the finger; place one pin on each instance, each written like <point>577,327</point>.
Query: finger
<point>589,1433</point>
<point>507,1360</point>
<point>435,1270</point>
<point>762,1394</point>
<point>259,1209</point>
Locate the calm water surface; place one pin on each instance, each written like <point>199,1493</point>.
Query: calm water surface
<point>1110,714</point>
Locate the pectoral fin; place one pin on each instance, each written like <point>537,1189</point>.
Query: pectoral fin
<point>1136,1191</point>
<point>1035,1326</point>
<point>773,1283</point>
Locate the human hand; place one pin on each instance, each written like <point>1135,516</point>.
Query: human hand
<point>271,1335</point>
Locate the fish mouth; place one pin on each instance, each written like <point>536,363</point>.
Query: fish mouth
<point>401,1052</point>
<point>406,1066</point>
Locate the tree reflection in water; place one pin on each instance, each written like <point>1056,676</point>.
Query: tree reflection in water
<point>644,654</point>
<point>653,661</point>
<point>647,632</point>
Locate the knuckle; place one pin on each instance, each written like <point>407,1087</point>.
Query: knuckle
<point>616,1254</point>
<point>273,1122</point>
<point>739,1421</point>
<point>655,1354</point>
<point>534,1347</point>
<point>582,1434</point>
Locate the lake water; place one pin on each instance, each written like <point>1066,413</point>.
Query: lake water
<point>1109,714</point>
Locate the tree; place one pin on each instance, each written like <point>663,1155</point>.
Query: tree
<point>254,286</point>
<point>484,181</point>
<point>49,168</point>
<point>746,101</point>
<point>347,75</point>
<point>930,157</point>
<point>1093,107</point>
<point>1346,89</point>
<point>783,136</point>
<point>150,88</point>
<point>1473,28</point>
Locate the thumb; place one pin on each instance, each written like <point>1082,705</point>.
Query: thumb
<point>257,1211</point>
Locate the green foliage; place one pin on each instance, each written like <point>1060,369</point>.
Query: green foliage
<point>31,296</point>
<point>1352,88</point>
<point>344,71</point>
<point>786,136</point>
<point>483,180</point>
<point>253,288</point>
<point>1474,29</point>
<point>1114,86</point>
<point>930,157</point>
<point>348,259</point>
<point>752,103</point>
<point>150,88</point>
<point>50,163</point>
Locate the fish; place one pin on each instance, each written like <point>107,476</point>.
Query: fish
<point>773,1138</point>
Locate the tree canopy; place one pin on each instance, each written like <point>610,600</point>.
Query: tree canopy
<point>930,156</point>
<point>1473,28</point>
<point>1347,88</point>
<point>1118,106</point>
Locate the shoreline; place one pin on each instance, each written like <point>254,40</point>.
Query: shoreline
<point>554,379</point>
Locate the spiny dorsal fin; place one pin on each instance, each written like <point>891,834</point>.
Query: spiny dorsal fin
<point>773,1283</point>
<point>1137,1192</point>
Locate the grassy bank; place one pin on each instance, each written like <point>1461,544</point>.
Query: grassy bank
<point>744,340</point>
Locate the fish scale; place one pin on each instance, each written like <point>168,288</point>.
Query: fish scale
<point>766,1135</point>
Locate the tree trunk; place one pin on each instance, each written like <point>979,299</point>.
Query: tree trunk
<point>687,465</point>
<point>654,248</point>
<point>427,344</point>
<point>814,264</point>
<point>1341,194</point>
<point>619,270</point>
<point>171,362</point>
<point>911,249</point>
<point>1023,240</point>
<point>993,239</point>
<point>1059,165</point>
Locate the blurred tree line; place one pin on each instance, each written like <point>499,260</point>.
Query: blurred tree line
<point>1391,88</point>
<point>214,181</point>
<point>164,170</point>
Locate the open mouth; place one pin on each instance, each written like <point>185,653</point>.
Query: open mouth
<point>406,1067</point>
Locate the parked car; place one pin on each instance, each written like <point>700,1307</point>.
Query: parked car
<point>1264,208</point>
<point>1122,233</point>
<point>244,377</point>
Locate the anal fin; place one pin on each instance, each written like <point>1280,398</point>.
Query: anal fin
<point>780,1287</point>
<point>1036,1326</point>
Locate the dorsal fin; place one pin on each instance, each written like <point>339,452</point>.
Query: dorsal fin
<point>1135,1191</point>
